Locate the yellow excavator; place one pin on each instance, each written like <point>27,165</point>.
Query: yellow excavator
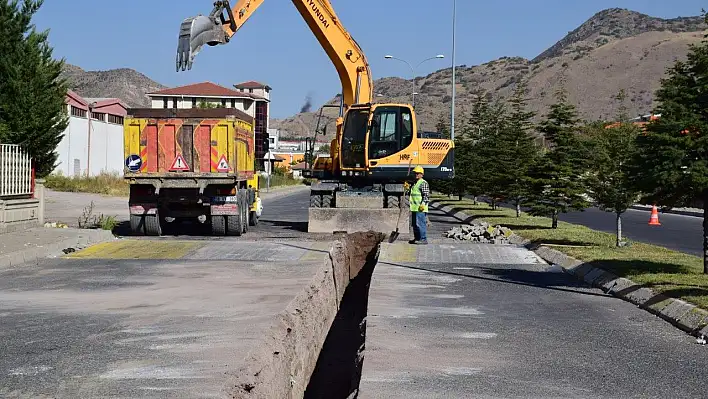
<point>363,184</point>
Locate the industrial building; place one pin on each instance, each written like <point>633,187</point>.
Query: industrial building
<point>90,140</point>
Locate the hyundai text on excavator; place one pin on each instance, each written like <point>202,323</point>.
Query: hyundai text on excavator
<point>376,144</point>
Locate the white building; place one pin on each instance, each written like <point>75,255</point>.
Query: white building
<point>94,145</point>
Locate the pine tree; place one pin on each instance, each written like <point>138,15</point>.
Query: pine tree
<point>611,183</point>
<point>519,150</point>
<point>557,183</point>
<point>672,161</point>
<point>32,93</point>
<point>493,165</point>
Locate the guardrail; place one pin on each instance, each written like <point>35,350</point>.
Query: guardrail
<point>16,172</point>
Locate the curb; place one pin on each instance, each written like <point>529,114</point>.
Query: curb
<point>84,239</point>
<point>686,316</point>
<point>648,208</point>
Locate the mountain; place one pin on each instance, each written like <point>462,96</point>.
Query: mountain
<point>126,84</point>
<point>615,49</point>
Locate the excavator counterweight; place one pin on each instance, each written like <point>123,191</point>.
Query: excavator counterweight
<point>361,187</point>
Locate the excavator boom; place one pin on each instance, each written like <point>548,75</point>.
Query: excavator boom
<point>224,21</point>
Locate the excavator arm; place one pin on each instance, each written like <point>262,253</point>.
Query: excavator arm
<point>224,21</point>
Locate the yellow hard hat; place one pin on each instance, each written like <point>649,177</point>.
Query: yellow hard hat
<point>418,169</point>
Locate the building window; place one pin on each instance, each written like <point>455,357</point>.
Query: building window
<point>250,90</point>
<point>78,112</point>
<point>115,119</point>
<point>174,103</point>
<point>233,103</point>
<point>164,102</point>
<point>194,102</point>
<point>223,102</point>
<point>99,116</point>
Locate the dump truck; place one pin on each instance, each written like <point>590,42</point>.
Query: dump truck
<point>193,164</point>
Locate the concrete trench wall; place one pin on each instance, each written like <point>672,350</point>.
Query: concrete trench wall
<point>290,362</point>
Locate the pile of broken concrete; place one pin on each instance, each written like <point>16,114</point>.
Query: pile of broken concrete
<point>480,232</point>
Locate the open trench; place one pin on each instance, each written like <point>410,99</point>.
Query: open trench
<point>315,348</point>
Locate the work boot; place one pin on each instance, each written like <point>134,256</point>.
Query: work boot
<point>413,241</point>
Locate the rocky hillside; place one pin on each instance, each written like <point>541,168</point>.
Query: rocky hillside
<point>127,84</point>
<point>614,49</point>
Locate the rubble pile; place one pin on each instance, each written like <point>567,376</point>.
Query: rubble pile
<point>480,232</point>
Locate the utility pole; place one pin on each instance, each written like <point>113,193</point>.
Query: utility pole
<point>454,82</point>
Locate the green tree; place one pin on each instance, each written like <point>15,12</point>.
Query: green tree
<point>32,93</point>
<point>443,127</point>
<point>519,150</point>
<point>557,178</point>
<point>611,183</point>
<point>672,161</point>
<point>493,157</point>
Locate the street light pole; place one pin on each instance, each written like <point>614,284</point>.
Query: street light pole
<point>454,82</point>
<point>390,57</point>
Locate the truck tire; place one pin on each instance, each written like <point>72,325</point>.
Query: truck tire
<point>218,225</point>
<point>137,225</point>
<point>235,227</point>
<point>315,201</point>
<point>392,202</point>
<point>152,225</point>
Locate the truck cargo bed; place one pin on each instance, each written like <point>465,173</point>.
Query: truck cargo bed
<point>196,142</point>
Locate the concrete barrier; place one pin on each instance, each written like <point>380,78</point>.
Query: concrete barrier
<point>282,365</point>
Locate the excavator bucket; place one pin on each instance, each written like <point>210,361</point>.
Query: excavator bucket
<point>194,33</point>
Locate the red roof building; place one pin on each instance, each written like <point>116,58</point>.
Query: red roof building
<point>253,98</point>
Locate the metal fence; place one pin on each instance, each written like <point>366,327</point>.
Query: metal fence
<point>16,175</point>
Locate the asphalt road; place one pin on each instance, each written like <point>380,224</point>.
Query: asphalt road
<point>453,320</point>
<point>677,232</point>
<point>150,317</point>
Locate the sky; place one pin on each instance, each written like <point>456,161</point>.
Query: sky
<point>277,48</point>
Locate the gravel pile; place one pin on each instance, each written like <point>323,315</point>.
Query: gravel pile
<point>480,232</point>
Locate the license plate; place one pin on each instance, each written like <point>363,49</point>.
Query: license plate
<point>224,199</point>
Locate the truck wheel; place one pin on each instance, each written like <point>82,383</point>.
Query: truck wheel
<point>137,225</point>
<point>152,225</point>
<point>315,201</point>
<point>392,202</point>
<point>253,220</point>
<point>405,202</point>
<point>218,225</point>
<point>235,227</point>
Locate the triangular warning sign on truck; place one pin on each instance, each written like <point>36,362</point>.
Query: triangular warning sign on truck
<point>223,166</point>
<point>179,164</point>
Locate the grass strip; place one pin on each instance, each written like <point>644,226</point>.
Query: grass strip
<point>117,186</point>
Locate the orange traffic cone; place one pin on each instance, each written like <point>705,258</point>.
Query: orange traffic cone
<point>654,219</point>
